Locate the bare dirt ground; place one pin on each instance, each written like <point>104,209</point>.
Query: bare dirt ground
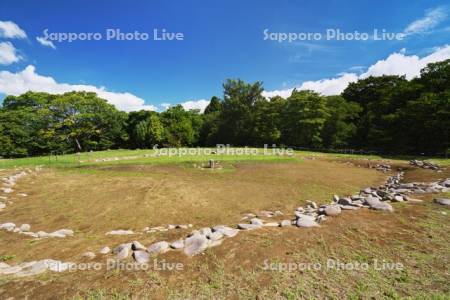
<point>92,201</point>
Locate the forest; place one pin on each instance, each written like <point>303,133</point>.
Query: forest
<point>386,114</point>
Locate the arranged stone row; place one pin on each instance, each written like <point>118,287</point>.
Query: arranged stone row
<point>383,168</point>
<point>33,267</point>
<point>150,229</point>
<point>10,181</point>
<point>424,164</point>
<point>263,214</point>
<point>25,230</point>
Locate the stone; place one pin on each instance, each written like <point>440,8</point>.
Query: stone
<point>123,253</point>
<point>215,236</point>
<point>7,190</point>
<point>2,205</point>
<point>120,232</point>
<point>104,250</point>
<point>137,246</point>
<point>205,231</point>
<point>248,226</point>
<point>321,218</point>
<point>442,201</point>
<point>382,206</point>
<point>25,227</point>
<point>398,198</point>
<point>271,224</point>
<point>159,247</point>
<point>335,198</point>
<point>256,221</point>
<point>65,232</point>
<point>8,226</point>
<point>195,244</point>
<point>119,248</point>
<point>226,231</point>
<point>88,255</point>
<point>345,201</point>
<point>312,204</point>
<point>332,210</point>
<point>42,234</point>
<point>306,221</point>
<point>178,244</point>
<point>141,256</point>
<point>22,195</point>
<point>285,223</point>
<point>348,207</point>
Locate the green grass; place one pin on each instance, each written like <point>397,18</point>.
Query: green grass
<point>138,157</point>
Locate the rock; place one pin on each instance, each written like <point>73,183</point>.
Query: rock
<point>306,221</point>
<point>56,235</point>
<point>178,244</point>
<point>7,190</point>
<point>159,247</point>
<point>226,231</point>
<point>2,205</point>
<point>215,236</point>
<point>256,221</point>
<point>382,206</point>
<point>119,248</point>
<point>271,224</point>
<point>123,253</point>
<point>446,183</point>
<point>137,246</point>
<point>25,227</point>
<point>119,232</point>
<point>195,244</point>
<point>442,201</point>
<point>170,226</point>
<point>335,198</point>
<point>321,218</point>
<point>182,226</point>
<point>348,207</point>
<point>398,198</point>
<point>332,210</point>
<point>22,195</point>
<point>42,234</point>
<point>279,213</point>
<point>248,226</point>
<point>141,257</point>
<point>65,232</point>
<point>345,201</point>
<point>105,250</point>
<point>88,255</point>
<point>8,226</point>
<point>205,231</point>
<point>312,204</point>
<point>285,223</point>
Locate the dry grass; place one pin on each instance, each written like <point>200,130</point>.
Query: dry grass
<point>93,200</point>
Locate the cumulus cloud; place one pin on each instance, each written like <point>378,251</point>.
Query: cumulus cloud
<point>45,42</point>
<point>432,18</point>
<point>11,30</point>
<point>395,64</point>
<point>8,54</point>
<point>28,80</point>
<point>200,104</point>
<point>165,105</point>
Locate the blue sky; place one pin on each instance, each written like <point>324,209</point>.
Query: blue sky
<point>222,39</point>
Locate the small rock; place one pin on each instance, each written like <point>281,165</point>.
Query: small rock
<point>285,223</point>
<point>306,221</point>
<point>137,246</point>
<point>25,227</point>
<point>195,244</point>
<point>105,250</point>
<point>123,253</point>
<point>442,201</point>
<point>141,257</point>
<point>248,226</point>
<point>178,244</point>
<point>256,221</point>
<point>271,224</point>
<point>120,232</point>
<point>332,210</point>
<point>88,255</point>
<point>226,231</point>
<point>159,247</point>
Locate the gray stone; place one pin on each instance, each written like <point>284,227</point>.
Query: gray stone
<point>88,255</point>
<point>8,226</point>
<point>42,234</point>
<point>205,231</point>
<point>271,224</point>
<point>226,231</point>
<point>105,250</point>
<point>141,257</point>
<point>256,221</point>
<point>25,227</point>
<point>285,223</point>
<point>348,207</point>
<point>442,201</point>
<point>195,244</point>
<point>215,236</point>
<point>306,221</point>
<point>332,210</point>
<point>119,232</point>
<point>398,198</point>
<point>384,206</point>
<point>178,244</point>
<point>123,253</point>
<point>248,226</point>
<point>345,201</point>
<point>159,247</point>
<point>119,248</point>
<point>65,232</point>
<point>137,246</point>
<point>335,198</point>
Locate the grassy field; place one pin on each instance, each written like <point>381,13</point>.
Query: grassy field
<point>92,196</point>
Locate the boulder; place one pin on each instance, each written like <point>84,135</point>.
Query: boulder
<point>119,248</point>
<point>137,246</point>
<point>159,247</point>
<point>442,201</point>
<point>306,221</point>
<point>141,257</point>
<point>332,210</point>
<point>195,244</point>
<point>123,253</point>
<point>178,244</point>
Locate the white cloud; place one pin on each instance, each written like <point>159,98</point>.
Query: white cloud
<point>432,18</point>
<point>165,105</point>
<point>8,54</point>
<point>200,104</point>
<point>28,80</point>
<point>395,64</point>
<point>11,30</point>
<point>45,42</point>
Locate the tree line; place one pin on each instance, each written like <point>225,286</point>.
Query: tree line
<point>386,114</point>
